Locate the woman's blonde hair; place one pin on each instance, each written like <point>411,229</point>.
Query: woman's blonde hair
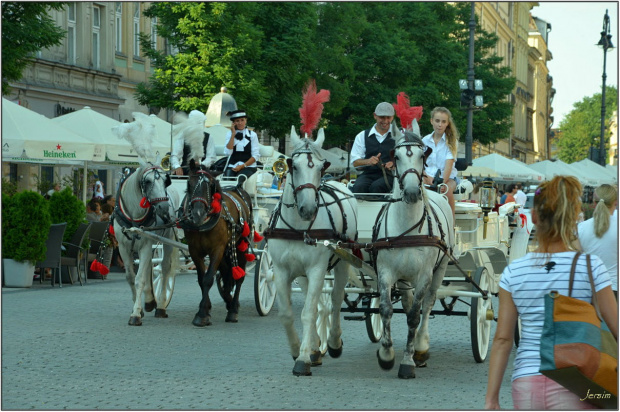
<point>607,195</point>
<point>452,133</point>
<point>557,204</point>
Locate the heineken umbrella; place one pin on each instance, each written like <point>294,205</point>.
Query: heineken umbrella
<point>508,169</point>
<point>558,168</point>
<point>27,135</point>
<point>596,172</point>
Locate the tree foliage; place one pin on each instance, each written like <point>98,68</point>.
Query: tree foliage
<point>363,52</point>
<point>26,28</point>
<point>581,128</point>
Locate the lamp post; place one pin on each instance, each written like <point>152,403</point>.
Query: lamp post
<point>605,43</point>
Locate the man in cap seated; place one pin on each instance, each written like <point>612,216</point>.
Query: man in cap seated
<point>180,156</point>
<point>371,153</point>
<point>242,146</point>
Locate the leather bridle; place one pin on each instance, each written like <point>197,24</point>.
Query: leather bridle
<point>297,189</point>
<point>157,175</point>
<point>401,176</point>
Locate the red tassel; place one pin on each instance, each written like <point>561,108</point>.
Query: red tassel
<point>243,246</point>
<point>249,257</point>
<point>405,112</point>
<point>217,197</point>
<point>111,230</point>
<point>238,273</point>
<point>144,203</point>
<point>216,206</point>
<point>246,230</point>
<point>257,237</point>
<point>97,266</point>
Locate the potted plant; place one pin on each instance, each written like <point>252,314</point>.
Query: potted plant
<point>64,206</point>
<point>25,227</point>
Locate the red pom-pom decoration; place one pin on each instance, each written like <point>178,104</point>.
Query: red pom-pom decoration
<point>246,230</point>
<point>216,206</point>
<point>97,266</point>
<point>257,237</point>
<point>238,273</point>
<point>217,196</point>
<point>243,246</point>
<point>111,230</point>
<point>249,257</point>
<point>144,203</point>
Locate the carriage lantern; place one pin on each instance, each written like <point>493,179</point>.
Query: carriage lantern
<point>488,198</point>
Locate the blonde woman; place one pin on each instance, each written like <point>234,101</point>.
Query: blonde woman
<point>523,286</point>
<point>444,141</point>
<point>599,235</point>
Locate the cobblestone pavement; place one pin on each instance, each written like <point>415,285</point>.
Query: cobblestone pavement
<point>71,348</point>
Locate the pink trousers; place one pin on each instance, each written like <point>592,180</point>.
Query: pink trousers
<point>540,392</point>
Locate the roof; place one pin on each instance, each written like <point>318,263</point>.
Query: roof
<point>219,105</point>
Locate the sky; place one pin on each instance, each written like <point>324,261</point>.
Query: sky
<point>577,65</point>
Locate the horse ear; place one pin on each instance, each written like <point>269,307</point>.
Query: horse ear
<point>415,128</point>
<point>294,138</point>
<point>396,133</point>
<point>320,138</point>
<point>192,166</point>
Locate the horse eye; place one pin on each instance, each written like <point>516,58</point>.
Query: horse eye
<point>396,157</point>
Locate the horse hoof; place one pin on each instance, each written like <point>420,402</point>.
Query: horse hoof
<point>149,306</point>
<point>385,364</point>
<point>302,369</point>
<point>135,321</point>
<point>316,358</point>
<point>161,313</point>
<point>201,322</point>
<point>335,352</point>
<point>232,317</point>
<point>406,371</point>
<point>420,358</point>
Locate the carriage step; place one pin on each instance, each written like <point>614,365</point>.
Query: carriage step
<point>360,318</point>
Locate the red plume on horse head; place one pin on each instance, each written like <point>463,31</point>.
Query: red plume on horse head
<point>406,113</point>
<point>312,107</point>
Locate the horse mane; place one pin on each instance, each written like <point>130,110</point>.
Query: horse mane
<point>410,137</point>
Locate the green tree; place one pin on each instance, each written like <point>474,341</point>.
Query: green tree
<point>581,128</point>
<point>26,28</point>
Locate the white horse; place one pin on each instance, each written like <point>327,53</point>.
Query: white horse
<point>142,201</point>
<point>307,210</point>
<point>411,239</point>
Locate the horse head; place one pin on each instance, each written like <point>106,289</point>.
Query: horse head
<point>204,194</point>
<point>305,169</point>
<point>409,157</point>
<point>153,184</point>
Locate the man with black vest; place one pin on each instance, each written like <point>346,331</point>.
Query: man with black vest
<point>179,158</point>
<point>242,146</point>
<point>371,153</point>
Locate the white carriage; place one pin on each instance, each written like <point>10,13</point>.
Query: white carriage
<point>482,253</point>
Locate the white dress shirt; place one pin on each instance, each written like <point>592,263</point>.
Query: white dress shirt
<point>358,151</point>
<point>520,197</point>
<point>437,159</point>
<point>176,157</point>
<point>249,135</point>
<point>605,247</point>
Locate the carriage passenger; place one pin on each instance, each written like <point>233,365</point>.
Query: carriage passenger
<point>443,141</point>
<point>371,153</point>
<point>180,156</point>
<point>242,146</point>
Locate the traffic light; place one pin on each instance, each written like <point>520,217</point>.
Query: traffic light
<point>467,97</point>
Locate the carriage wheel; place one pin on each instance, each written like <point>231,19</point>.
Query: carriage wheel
<point>161,287</point>
<point>481,310</point>
<point>324,316</point>
<point>374,324</point>
<point>264,286</point>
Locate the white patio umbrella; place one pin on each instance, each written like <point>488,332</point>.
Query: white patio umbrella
<point>478,171</point>
<point>558,168</point>
<point>164,133</point>
<point>596,172</point>
<point>508,169</point>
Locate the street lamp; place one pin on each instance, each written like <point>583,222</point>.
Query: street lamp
<point>605,43</point>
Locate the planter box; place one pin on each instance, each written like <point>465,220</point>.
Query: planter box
<point>17,274</point>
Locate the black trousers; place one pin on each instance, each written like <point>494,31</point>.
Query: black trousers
<point>247,171</point>
<point>372,183</point>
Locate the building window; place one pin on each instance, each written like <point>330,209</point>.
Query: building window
<point>154,32</point>
<point>118,18</point>
<point>136,29</point>
<point>96,37</point>
<point>71,34</point>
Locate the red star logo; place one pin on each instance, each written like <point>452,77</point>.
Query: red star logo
<point>58,146</point>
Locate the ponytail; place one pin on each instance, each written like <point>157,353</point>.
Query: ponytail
<point>606,194</point>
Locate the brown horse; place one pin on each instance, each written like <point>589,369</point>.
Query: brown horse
<point>218,224</point>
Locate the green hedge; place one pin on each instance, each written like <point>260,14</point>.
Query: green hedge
<point>65,207</point>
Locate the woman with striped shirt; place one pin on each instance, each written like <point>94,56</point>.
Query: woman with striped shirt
<point>523,285</point>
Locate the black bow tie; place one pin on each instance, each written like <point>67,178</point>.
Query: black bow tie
<point>239,136</point>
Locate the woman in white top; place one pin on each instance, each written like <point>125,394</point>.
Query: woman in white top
<point>443,141</point>
<point>599,235</point>
<point>523,286</point>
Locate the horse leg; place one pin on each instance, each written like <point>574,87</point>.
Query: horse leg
<point>285,309</point>
<point>407,366</point>
<point>309,343</point>
<point>422,339</point>
<point>149,298</point>
<point>385,353</point>
<point>334,341</point>
<point>168,272</point>
<point>145,265</point>
<point>233,308</point>
<point>205,279</point>
<point>316,357</point>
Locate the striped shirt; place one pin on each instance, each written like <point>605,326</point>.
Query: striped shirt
<point>528,281</point>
